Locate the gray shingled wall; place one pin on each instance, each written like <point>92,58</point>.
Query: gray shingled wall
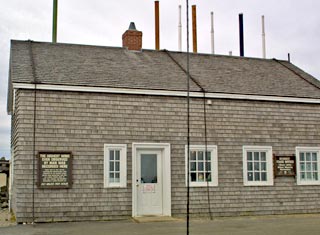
<point>84,122</point>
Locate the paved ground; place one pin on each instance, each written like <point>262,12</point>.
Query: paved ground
<point>266,225</point>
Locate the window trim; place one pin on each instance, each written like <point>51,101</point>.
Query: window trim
<point>214,165</point>
<point>269,159</point>
<point>123,165</point>
<point>308,149</point>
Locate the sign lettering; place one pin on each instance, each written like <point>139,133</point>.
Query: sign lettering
<point>55,170</point>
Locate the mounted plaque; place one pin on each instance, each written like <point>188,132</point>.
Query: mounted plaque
<point>284,165</point>
<point>55,170</point>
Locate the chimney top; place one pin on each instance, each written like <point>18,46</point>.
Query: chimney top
<point>132,26</point>
<point>132,38</point>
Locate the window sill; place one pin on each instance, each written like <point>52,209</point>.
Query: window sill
<point>308,183</point>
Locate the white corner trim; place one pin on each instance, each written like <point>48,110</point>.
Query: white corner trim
<point>134,91</point>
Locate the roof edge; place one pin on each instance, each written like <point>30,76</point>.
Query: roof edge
<point>194,94</point>
<point>144,49</point>
<point>300,73</point>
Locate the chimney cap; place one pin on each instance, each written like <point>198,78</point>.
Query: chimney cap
<point>132,26</point>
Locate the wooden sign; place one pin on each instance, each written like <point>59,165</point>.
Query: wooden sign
<point>284,165</point>
<point>55,170</point>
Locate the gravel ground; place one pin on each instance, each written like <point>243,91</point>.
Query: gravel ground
<point>5,218</point>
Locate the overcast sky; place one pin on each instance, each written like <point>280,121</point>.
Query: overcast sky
<point>292,26</point>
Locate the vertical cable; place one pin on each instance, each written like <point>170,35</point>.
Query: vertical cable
<point>206,152</point>
<point>188,120</point>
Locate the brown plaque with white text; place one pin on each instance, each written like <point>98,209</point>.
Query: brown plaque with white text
<point>55,170</point>
<point>284,165</point>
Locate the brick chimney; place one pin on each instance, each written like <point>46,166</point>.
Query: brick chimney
<point>132,38</point>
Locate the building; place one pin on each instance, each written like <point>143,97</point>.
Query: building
<point>100,133</point>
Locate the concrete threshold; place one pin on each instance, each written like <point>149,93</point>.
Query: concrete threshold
<point>151,219</point>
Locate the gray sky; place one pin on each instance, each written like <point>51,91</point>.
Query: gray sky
<point>292,26</point>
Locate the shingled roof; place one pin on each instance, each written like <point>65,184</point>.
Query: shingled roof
<point>99,66</point>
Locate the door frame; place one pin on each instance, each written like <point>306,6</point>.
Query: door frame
<point>166,174</point>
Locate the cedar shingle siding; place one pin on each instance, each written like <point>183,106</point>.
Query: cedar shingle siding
<point>82,122</point>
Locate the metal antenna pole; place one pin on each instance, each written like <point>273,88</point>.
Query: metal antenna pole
<point>188,119</point>
<point>55,21</point>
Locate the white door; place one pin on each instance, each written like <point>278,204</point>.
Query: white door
<point>149,183</point>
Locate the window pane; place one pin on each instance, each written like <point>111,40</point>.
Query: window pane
<point>111,155</point>
<point>315,176</point>
<point>193,155</point>
<point>250,176</point>
<point>263,156</point>
<point>315,166</point>
<point>192,166</point>
<point>200,155</point>
<point>208,177</point>
<point>117,153</point>
<point>263,166</point>
<point>200,166</point>
<point>250,166</point>
<point>208,166</point>
<point>193,177</point>
<point>117,166</point>
<point>303,176</point>
<point>309,166</point>
<point>117,177</point>
<point>111,166</point>
<point>249,156</point>
<point>302,167</point>
<point>256,176</point>
<point>148,168</point>
<point>208,157</point>
<point>314,157</point>
<point>111,177</point>
<point>256,156</point>
<point>200,177</point>
<point>309,175</point>
<point>256,166</point>
<point>301,156</point>
<point>263,176</point>
<point>308,156</point>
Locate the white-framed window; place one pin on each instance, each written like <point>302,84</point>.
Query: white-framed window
<point>203,168</point>
<point>115,165</point>
<point>257,166</point>
<point>308,165</point>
